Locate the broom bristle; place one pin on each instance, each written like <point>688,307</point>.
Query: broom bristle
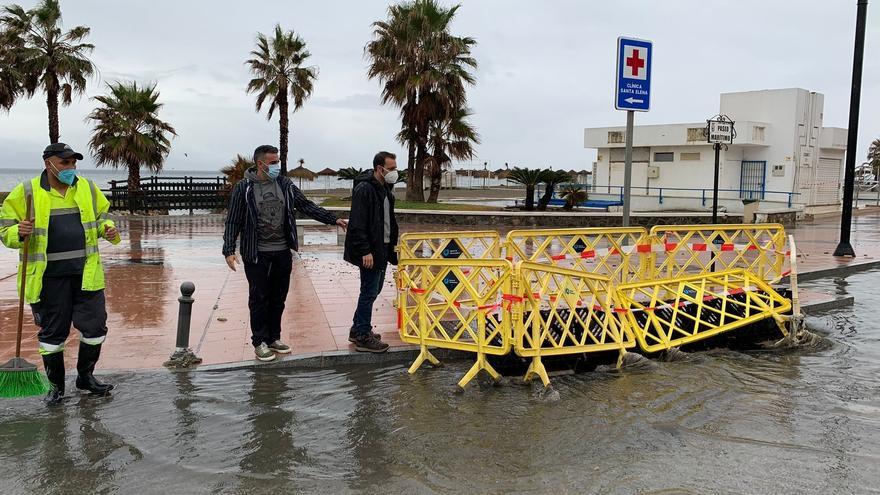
<point>15,384</point>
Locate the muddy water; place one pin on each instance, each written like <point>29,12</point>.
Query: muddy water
<point>724,422</point>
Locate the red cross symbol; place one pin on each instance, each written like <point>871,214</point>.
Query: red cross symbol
<point>635,63</point>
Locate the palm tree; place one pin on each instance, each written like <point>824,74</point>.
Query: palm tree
<point>423,69</point>
<point>529,178</point>
<point>874,157</point>
<point>10,76</point>
<point>573,196</point>
<point>450,139</point>
<point>128,132</point>
<point>349,173</point>
<point>46,57</point>
<point>551,179</point>
<point>234,172</point>
<point>280,74</point>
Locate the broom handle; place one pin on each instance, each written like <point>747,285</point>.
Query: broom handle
<point>24,253</point>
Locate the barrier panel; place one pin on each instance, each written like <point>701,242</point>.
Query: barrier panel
<point>587,290</point>
<point>564,311</point>
<point>673,312</point>
<point>617,253</point>
<point>456,304</point>
<point>450,245</point>
<point>691,249</point>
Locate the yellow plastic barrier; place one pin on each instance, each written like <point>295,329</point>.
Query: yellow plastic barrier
<point>691,249</point>
<point>564,311</point>
<point>673,312</point>
<point>450,245</point>
<point>455,304</point>
<point>617,253</point>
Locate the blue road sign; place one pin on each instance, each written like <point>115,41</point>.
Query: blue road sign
<point>634,60</point>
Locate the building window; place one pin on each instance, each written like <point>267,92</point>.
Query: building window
<point>641,154</point>
<point>690,157</point>
<point>758,134</point>
<point>664,156</point>
<point>696,134</point>
<point>615,137</point>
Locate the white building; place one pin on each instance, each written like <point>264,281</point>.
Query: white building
<point>781,155</point>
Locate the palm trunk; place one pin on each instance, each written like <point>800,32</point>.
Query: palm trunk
<point>530,197</point>
<point>419,174</point>
<point>410,171</point>
<point>284,129</point>
<point>436,180</point>
<point>545,199</point>
<point>52,104</point>
<point>134,187</point>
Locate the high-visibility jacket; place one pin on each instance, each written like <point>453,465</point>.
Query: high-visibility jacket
<point>92,208</point>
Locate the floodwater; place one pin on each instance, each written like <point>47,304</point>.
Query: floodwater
<point>724,422</point>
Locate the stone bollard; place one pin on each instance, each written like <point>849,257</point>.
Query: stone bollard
<point>301,235</point>
<point>183,356</point>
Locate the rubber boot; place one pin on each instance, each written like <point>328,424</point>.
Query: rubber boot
<point>54,364</point>
<point>85,366</point>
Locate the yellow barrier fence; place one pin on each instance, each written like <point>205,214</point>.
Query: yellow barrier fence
<point>450,245</point>
<point>673,312</point>
<point>564,311</point>
<point>617,253</point>
<point>456,304</point>
<point>693,249</point>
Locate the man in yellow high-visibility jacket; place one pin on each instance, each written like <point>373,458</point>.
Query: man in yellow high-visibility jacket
<point>65,279</point>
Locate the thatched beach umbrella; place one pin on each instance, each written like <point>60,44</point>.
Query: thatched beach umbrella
<point>302,173</point>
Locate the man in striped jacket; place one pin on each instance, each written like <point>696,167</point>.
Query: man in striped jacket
<point>262,211</point>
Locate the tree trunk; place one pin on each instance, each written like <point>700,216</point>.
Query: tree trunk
<point>530,197</point>
<point>545,199</point>
<point>419,173</point>
<point>436,180</point>
<point>410,171</point>
<point>52,104</point>
<point>134,187</point>
<point>284,129</point>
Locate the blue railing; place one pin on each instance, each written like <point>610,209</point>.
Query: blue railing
<point>705,193</point>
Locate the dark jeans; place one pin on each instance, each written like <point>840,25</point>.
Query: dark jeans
<point>268,280</point>
<point>371,286</point>
<point>62,302</point>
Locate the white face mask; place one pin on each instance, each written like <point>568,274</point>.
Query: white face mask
<point>390,177</point>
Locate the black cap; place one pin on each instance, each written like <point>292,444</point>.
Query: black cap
<point>61,150</point>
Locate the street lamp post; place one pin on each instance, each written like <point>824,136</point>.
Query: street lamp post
<point>844,248</point>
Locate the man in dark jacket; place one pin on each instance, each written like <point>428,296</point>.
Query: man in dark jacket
<point>261,210</point>
<point>369,244</point>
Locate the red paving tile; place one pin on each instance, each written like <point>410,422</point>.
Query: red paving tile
<point>143,283</point>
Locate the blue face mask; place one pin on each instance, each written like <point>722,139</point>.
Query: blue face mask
<point>66,176</point>
<point>273,171</point>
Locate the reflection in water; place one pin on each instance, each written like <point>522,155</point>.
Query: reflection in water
<point>806,421</point>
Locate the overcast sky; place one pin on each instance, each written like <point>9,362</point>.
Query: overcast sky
<point>546,72</point>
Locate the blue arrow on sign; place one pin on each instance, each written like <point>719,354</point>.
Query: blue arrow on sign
<point>634,60</point>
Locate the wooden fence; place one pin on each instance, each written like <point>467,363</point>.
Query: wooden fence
<point>170,193</point>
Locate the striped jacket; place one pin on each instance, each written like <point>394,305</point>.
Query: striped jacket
<point>241,217</point>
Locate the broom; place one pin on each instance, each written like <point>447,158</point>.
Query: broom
<point>19,378</point>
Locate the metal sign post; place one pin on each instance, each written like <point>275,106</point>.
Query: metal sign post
<point>720,132</point>
<point>633,94</point>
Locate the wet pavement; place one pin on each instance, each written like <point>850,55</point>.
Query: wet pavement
<point>725,422</point>
<point>157,254</point>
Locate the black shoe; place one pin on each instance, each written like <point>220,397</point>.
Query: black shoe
<point>54,364</point>
<point>353,335</point>
<point>85,366</point>
<point>369,343</point>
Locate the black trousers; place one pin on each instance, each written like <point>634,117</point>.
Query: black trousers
<point>268,281</point>
<point>62,302</point>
